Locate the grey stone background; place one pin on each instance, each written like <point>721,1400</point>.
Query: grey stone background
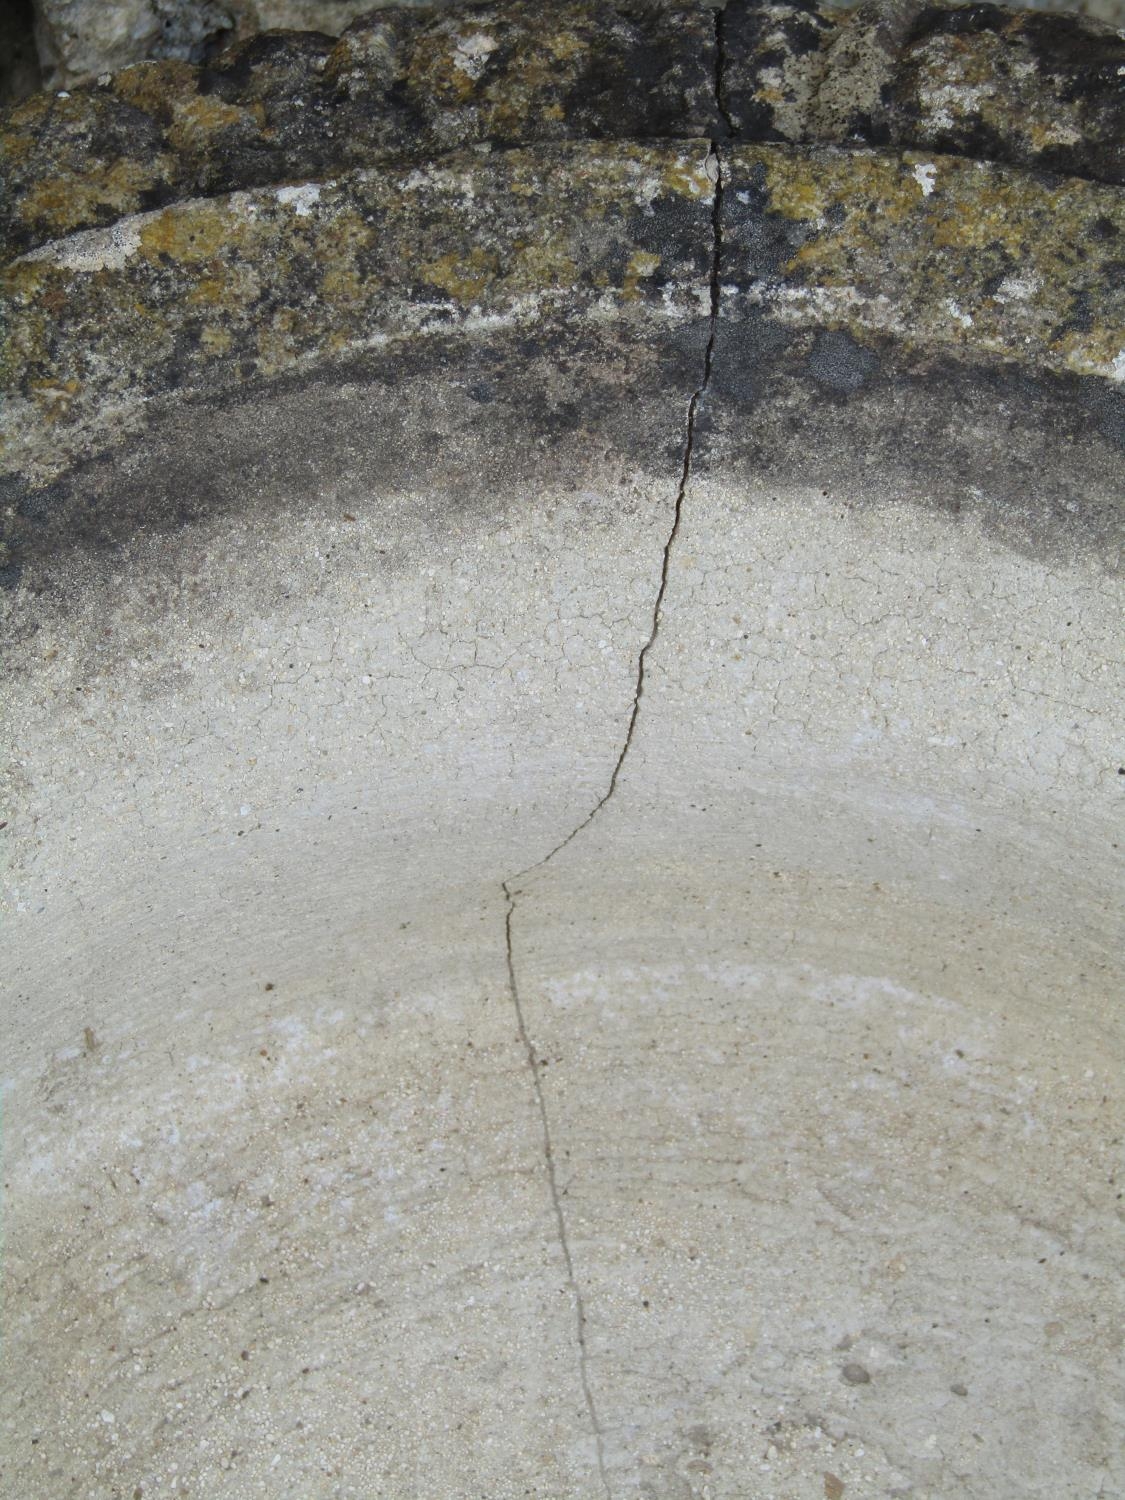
<point>53,43</point>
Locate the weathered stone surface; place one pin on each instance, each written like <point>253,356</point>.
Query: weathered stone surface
<point>334,656</point>
<point>1035,90</point>
<point>980,80</point>
<point>940,252</point>
<point>217,292</point>
<point>561,887</point>
<point>285,107</point>
<point>80,39</point>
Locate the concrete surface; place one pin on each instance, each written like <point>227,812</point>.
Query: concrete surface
<point>562,926</point>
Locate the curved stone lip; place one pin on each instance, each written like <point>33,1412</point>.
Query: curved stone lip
<point>944,261</point>
<point>942,254</point>
<point>992,84</point>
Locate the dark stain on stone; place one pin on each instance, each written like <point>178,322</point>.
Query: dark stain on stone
<point>1106,405</point>
<point>762,241</point>
<point>744,352</point>
<point>576,393</point>
<point>1034,457</point>
<point>840,364</point>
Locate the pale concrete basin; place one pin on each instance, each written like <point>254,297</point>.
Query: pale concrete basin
<point>562,919</point>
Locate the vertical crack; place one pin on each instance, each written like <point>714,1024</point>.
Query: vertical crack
<point>511,892</point>
<point>715,173</point>
<point>556,1201</point>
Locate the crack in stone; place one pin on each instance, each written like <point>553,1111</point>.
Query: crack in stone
<point>715,172</point>
<point>714,165</point>
<point>511,893</point>
<point>556,1200</point>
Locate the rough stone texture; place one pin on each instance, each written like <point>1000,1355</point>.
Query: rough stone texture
<point>281,108</point>
<point>1033,90</point>
<point>822,1001</point>
<point>219,293</point>
<point>939,251</point>
<point>981,80</point>
<point>561,921</point>
<point>946,256</point>
<point>78,40</point>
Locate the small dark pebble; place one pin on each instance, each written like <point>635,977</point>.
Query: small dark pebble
<point>856,1375</point>
<point>959,1389</point>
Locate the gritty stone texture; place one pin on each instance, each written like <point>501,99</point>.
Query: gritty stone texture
<point>580,232</point>
<point>822,1001</point>
<point>936,250</point>
<point>404,86</point>
<point>80,39</point>
<point>560,906</point>
<point>944,255</point>
<point>980,80</point>
<point>1037,91</point>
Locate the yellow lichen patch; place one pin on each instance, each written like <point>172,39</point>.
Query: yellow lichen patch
<point>1095,351</point>
<point>535,71</point>
<point>434,70</point>
<point>641,264</point>
<point>215,340</point>
<point>192,233</point>
<point>991,207</point>
<point>155,86</point>
<point>25,280</point>
<point>199,118</point>
<point>990,257</point>
<point>804,187</point>
<point>542,266</point>
<point>59,203</point>
<point>26,118</point>
<point>564,45</point>
<point>341,284</point>
<point>464,277</point>
<point>209,291</point>
<point>687,178</point>
<point>341,239</point>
